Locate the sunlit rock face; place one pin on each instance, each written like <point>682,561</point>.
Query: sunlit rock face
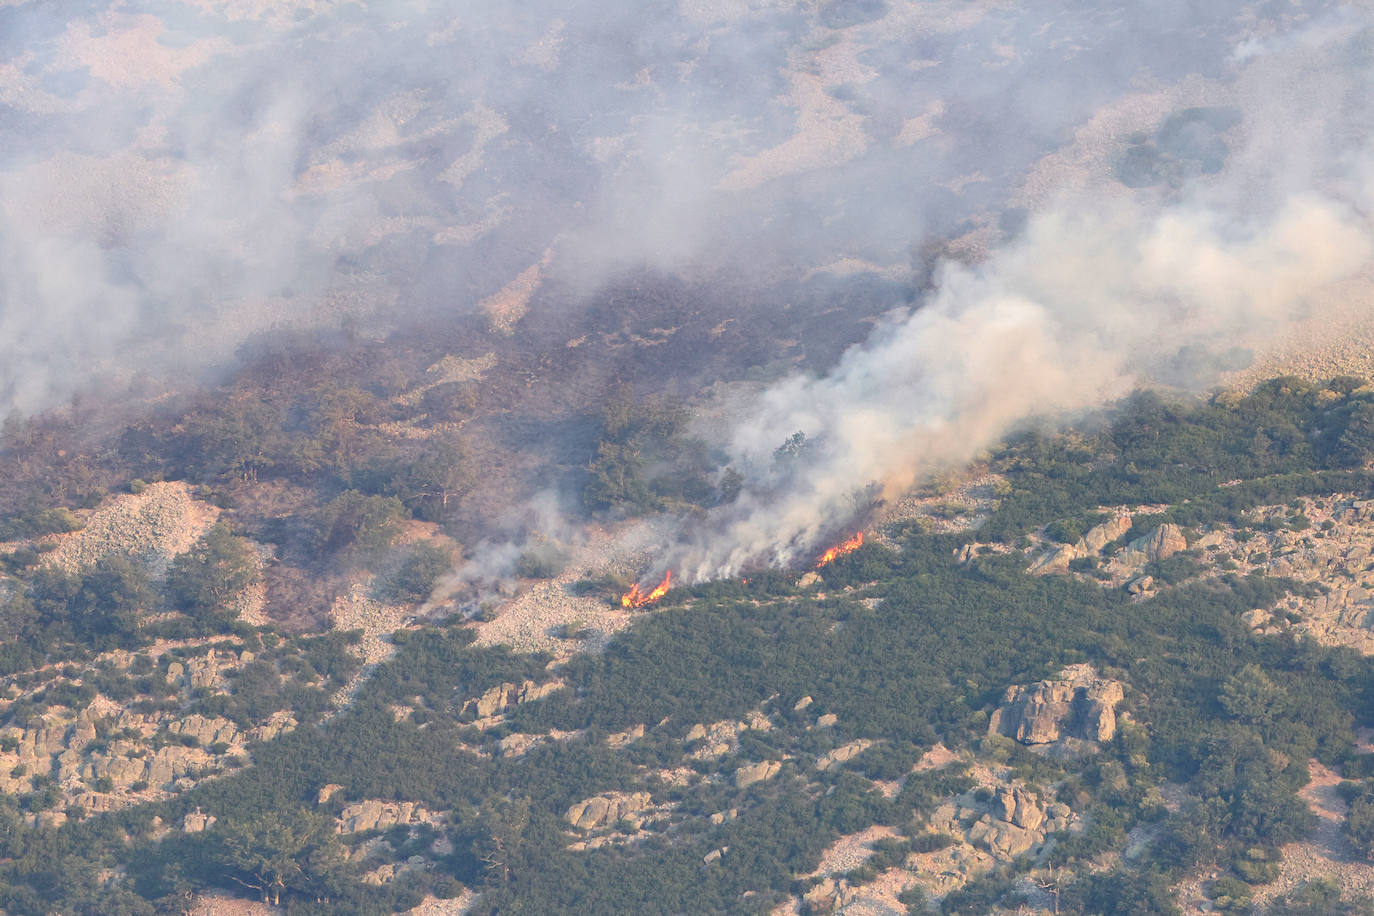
<point>1076,703</point>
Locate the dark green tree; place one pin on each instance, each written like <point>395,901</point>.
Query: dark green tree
<point>204,580</point>
<point>280,850</point>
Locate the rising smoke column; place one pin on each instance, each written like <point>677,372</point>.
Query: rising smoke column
<point>1088,304</point>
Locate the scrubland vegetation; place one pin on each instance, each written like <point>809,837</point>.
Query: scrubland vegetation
<point>903,645</point>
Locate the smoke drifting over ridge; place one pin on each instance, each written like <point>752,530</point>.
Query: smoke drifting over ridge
<point>177,176</point>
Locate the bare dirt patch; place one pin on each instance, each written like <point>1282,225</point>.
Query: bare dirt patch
<point>1326,854</point>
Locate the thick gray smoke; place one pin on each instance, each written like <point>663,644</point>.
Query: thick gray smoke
<point>176,176</point>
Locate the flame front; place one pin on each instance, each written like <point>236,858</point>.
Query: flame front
<point>635,598</point>
<point>839,550</point>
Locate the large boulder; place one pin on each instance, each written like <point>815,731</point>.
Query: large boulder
<point>373,814</point>
<point>1004,840</point>
<point>197,821</point>
<point>1161,543</point>
<point>1057,560</point>
<point>1101,535</point>
<point>1017,806</point>
<point>1074,704</point>
<point>203,731</point>
<point>842,754</point>
<point>751,773</point>
<point>172,762</point>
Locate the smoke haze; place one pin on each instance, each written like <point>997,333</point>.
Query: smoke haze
<point>178,176</point>
<point>1109,185</point>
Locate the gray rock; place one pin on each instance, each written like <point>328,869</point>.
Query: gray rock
<point>372,814</point>
<point>1019,807</point>
<point>1057,560</point>
<point>196,821</point>
<point>842,754</point>
<point>516,744</point>
<point>502,697</point>
<point>205,731</point>
<point>1162,543</point>
<point>1100,536</point>
<point>204,671</point>
<point>1140,585</point>
<point>752,773</point>
<point>1004,840</point>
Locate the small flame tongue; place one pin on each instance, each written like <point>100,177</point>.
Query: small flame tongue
<point>840,549</point>
<point>635,598</point>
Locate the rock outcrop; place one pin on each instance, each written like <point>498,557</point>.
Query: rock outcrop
<point>1075,704</point>
<point>751,773</point>
<point>1159,544</point>
<point>1012,823</point>
<point>610,809</point>
<point>507,696</point>
<point>720,738</point>
<point>1057,560</point>
<point>1101,535</point>
<point>516,744</point>
<point>1017,806</point>
<point>203,731</point>
<point>197,821</point>
<point>1140,585</point>
<point>842,754</point>
<point>379,815</point>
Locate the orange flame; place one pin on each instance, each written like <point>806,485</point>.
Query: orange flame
<point>635,598</point>
<point>841,549</point>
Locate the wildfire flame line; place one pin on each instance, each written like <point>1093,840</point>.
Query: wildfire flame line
<point>840,549</point>
<point>635,598</point>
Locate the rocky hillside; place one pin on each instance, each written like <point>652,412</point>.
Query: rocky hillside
<point>1027,690</point>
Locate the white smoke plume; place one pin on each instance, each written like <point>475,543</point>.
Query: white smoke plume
<point>1097,296</point>
<point>1076,313</point>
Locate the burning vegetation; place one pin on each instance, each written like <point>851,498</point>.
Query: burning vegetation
<point>636,598</point>
<point>841,549</point>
